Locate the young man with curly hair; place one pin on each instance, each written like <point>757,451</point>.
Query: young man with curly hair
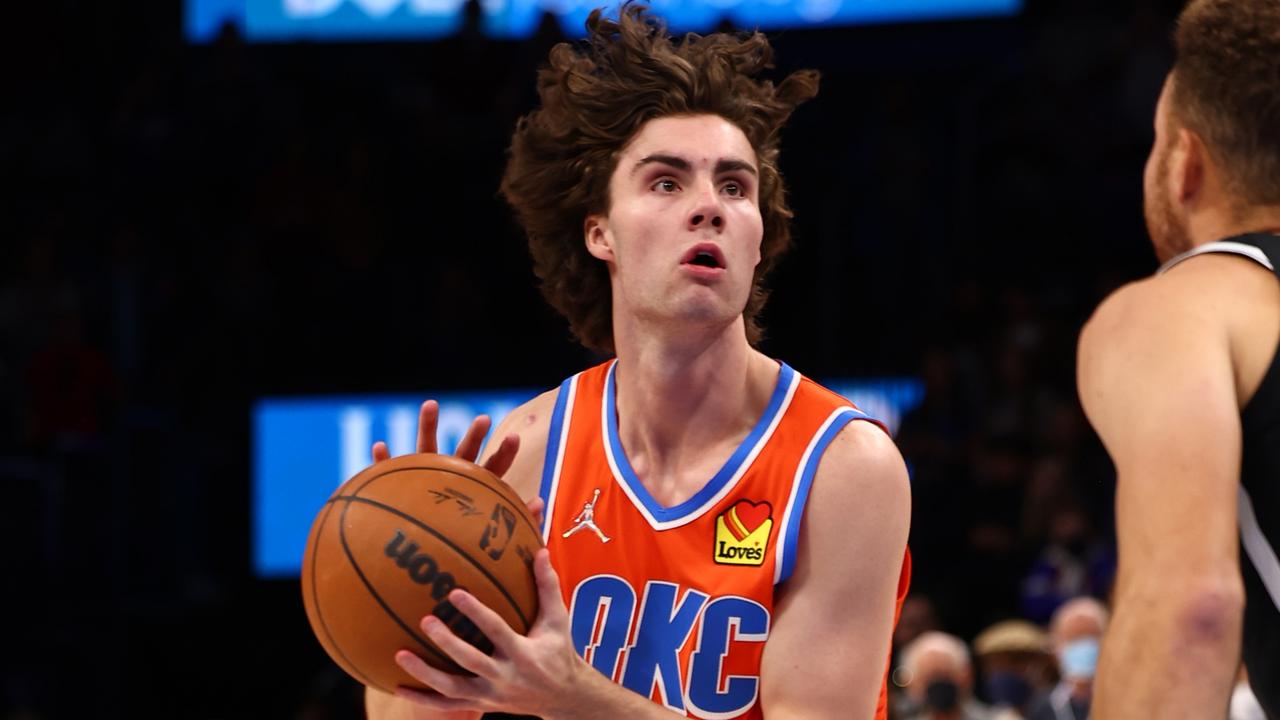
<point>728,538</point>
<point>1179,373</point>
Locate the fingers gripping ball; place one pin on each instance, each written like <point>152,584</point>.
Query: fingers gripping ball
<point>392,542</point>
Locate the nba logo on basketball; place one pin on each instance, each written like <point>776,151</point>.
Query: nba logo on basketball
<point>742,533</point>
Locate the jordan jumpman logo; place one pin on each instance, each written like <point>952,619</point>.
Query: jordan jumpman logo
<point>586,520</point>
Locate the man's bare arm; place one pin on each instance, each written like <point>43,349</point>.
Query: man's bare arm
<point>828,649</point>
<point>1156,381</point>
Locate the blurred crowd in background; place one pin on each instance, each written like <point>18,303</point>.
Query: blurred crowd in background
<point>200,226</point>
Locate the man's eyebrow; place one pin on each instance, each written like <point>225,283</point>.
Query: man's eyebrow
<point>678,163</point>
<point>732,164</point>
<point>723,166</point>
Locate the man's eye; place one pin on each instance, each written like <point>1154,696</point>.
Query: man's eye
<point>734,189</point>
<point>666,186</point>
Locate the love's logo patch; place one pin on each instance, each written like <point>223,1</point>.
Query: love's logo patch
<point>742,533</point>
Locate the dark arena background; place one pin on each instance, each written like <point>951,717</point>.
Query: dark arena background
<point>200,222</point>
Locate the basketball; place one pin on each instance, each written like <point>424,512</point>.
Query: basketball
<point>388,546</point>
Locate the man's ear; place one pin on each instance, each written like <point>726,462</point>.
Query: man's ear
<point>1188,165</point>
<point>599,242</point>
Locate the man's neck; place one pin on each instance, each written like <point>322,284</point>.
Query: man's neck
<point>1215,226</point>
<point>678,396</point>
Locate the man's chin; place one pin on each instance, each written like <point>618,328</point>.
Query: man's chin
<point>705,317</point>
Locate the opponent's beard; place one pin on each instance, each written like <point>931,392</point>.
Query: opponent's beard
<point>1169,235</point>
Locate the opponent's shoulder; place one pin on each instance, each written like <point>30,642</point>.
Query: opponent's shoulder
<point>1204,290</point>
<point>1156,349</point>
<point>1143,318</point>
<point>1132,332</point>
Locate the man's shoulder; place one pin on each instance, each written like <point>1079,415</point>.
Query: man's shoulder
<point>531,420</point>
<point>864,441</point>
<point>1132,339</point>
<point>1134,305</point>
<point>1146,316</point>
<point>1199,289</point>
<point>863,471</point>
<point>1157,320</point>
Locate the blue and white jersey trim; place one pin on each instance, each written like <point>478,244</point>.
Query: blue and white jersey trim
<point>664,518</point>
<point>789,530</point>
<point>557,437</point>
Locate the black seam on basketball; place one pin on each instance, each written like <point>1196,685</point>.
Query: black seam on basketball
<point>315,602</point>
<point>342,534</point>
<point>459,551</point>
<point>491,488</point>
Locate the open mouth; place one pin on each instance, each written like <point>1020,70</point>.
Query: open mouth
<point>704,259</point>
<point>704,255</point>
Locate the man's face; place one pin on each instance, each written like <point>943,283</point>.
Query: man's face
<point>933,666</point>
<point>941,683</point>
<point>683,231</point>
<point>1078,626</point>
<point>1077,640</point>
<point>1166,225</point>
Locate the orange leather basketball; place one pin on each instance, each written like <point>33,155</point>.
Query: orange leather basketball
<point>390,544</point>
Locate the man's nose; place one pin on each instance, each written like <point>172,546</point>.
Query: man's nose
<point>706,212</point>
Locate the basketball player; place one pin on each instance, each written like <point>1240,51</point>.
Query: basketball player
<point>747,554</point>
<point>1179,375</point>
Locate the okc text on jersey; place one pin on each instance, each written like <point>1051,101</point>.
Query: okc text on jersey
<point>641,645</point>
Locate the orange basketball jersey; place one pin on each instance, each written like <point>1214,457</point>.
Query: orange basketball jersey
<point>676,603</point>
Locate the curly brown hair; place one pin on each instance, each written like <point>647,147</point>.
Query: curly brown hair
<point>1226,87</point>
<point>595,97</point>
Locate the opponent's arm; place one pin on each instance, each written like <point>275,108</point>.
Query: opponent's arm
<point>828,649</point>
<point>1157,382</point>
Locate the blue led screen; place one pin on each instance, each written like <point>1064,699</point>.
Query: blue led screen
<point>303,448</point>
<point>371,20</point>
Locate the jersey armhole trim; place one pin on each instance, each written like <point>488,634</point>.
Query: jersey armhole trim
<point>789,532</point>
<point>557,438</point>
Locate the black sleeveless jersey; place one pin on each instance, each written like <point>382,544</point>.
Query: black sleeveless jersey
<point>1259,500</point>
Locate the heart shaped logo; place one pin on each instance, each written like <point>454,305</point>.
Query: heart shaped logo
<point>746,516</point>
<point>742,534</point>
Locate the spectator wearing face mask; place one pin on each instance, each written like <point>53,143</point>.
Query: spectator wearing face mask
<point>1016,665</point>
<point>1076,632</point>
<point>937,676</point>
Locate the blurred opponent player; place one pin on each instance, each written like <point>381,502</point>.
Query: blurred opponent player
<point>1180,375</point>
<point>747,554</point>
